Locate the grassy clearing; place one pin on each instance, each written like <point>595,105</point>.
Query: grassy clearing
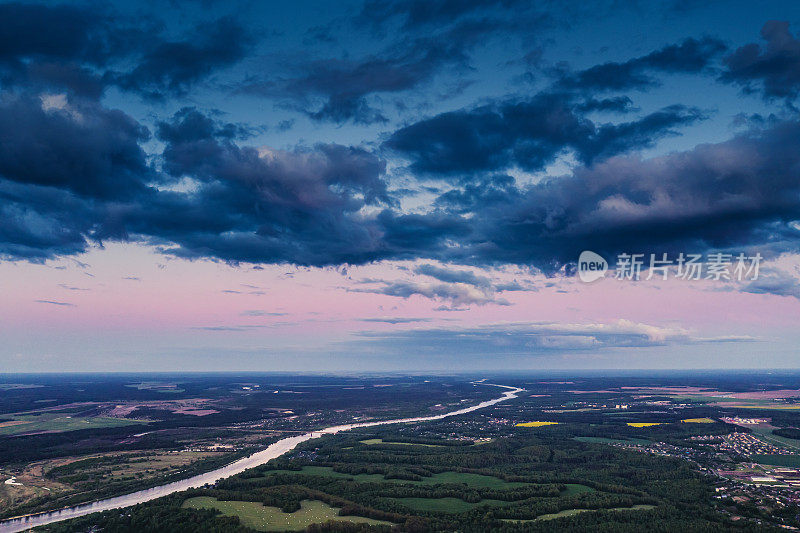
<point>572,512</point>
<point>370,442</point>
<point>264,518</point>
<point>576,488</point>
<point>59,423</point>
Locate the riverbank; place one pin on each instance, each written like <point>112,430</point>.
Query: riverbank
<point>271,452</point>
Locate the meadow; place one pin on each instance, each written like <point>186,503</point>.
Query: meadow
<point>266,518</point>
<point>55,422</point>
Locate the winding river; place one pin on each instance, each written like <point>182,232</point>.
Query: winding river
<point>259,458</point>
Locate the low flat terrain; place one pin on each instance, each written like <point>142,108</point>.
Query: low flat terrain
<point>51,422</point>
<point>265,518</point>
<point>573,512</point>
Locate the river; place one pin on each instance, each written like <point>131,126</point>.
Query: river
<point>274,450</point>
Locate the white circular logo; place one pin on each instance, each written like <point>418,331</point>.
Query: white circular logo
<point>591,266</point>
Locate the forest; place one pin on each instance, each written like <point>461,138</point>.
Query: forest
<point>509,484</point>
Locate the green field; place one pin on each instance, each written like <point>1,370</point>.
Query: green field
<point>575,488</point>
<point>473,480</point>
<point>777,460</point>
<point>446,505</point>
<point>263,518</point>
<point>370,442</point>
<point>572,512</point>
<point>58,423</point>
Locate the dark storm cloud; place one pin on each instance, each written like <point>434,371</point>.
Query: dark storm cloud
<point>409,236</point>
<point>83,49</point>
<point>171,67</point>
<point>690,56</point>
<point>773,69</point>
<point>307,205</point>
<point>54,76</point>
<point>61,46</point>
<point>301,206</point>
<point>56,32</point>
<point>85,180</point>
<point>189,132</point>
<point>528,134</point>
<point>37,223</point>
<point>65,168</point>
<point>199,147</point>
<point>73,172</point>
<point>473,193</point>
<point>741,192</point>
<point>78,146</point>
